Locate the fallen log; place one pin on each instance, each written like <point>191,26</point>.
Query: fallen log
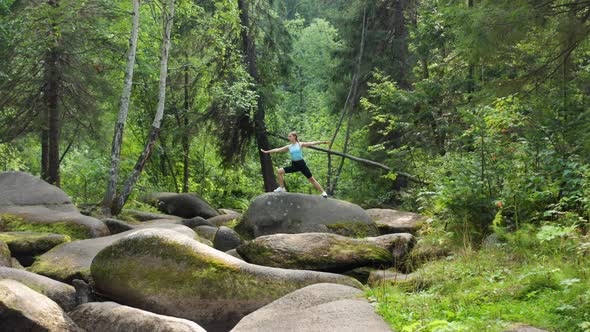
<point>408,176</point>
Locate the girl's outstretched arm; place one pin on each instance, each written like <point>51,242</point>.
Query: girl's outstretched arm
<point>306,144</point>
<point>283,149</point>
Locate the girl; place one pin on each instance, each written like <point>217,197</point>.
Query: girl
<point>297,162</point>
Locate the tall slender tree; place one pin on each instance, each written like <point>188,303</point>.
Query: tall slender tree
<point>123,110</point>
<point>168,16</point>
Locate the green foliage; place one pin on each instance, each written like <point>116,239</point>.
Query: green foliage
<point>492,289</point>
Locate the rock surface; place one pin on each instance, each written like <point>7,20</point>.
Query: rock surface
<point>27,200</point>
<point>324,251</point>
<point>225,219</point>
<point>226,239</point>
<point>23,309</point>
<point>320,307</point>
<point>138,215</point>
<point>524,328</point>
<point>171,274</point>
<point>5,257</point>
<point>72,260</point>
<point>274,213</point>
<point>207,232</point>
<point>187,206</point>
<point>113,317</point>
<point>25,246</point>
<point>394,221</point>
<point>118,226</point>
<point>62,294</point>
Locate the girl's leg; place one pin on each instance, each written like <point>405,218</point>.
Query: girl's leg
<point>281,172</point>
<point>313,181</point>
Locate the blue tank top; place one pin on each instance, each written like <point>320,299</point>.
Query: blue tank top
<point>295,150</point>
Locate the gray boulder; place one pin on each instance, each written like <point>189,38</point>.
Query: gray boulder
<point>207,232</point>
<point>171,274</point>
<point>72,260</point>
<point>225,219</point>
<point>274,213</point>
<point>25,246</point>
<point>64,295</point>
<point>137,215</point>
<point>196,222</point>
<point>320,307</point>
<point>5,257</point>
<point>394,221</point>
<point>324,251</point>
<point>113,317</point>
<point>118,226</point>
<point>27,201</point>
<point>188,205</point>
<point>226,239</point>
<point>23,309</point>
<point>524,328</point>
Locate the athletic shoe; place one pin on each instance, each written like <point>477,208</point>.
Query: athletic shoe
<point>280,190</point>
<point>324,194</point>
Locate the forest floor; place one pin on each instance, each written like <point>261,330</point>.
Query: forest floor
<point>519,280</point>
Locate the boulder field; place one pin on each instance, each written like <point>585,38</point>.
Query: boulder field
<point>168,273</point>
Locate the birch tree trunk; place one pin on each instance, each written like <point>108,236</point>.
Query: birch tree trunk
<point>123,110</point>
<point>155,130</point>
<point>270,183</point>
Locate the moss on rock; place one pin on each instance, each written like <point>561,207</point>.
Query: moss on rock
<point>172,274</point>
<point>353,230</point>
<point>11,223</point>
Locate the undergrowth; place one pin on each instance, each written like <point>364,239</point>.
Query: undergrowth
<point>522,278</point>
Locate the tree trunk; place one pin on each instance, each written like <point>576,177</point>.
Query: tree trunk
<point>155,130</point>
<point>249,47</point>
<point>185,133</point>
<point>44,147</point>
<point>52,77</point>
<point>123,110</point>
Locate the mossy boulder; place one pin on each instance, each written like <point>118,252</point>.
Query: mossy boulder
<point>412,282</point>
<point>28,203</point>
<point>393,221</point>
<point>118,226</point>
<point>228,220</point>
<point>5,256</point>
<point>275,213</point>
<point>25,246</point>
<point>320,307</point>
<point>62,294</point>
<point>171,274</point>
<point>324,251</point>
<point>113,317</point>
<point>23,309</point>
<point>187,205</point>
<point>72,260</point>
<point>140,216</point>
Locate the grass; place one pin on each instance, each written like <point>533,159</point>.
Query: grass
<point>521,280</point>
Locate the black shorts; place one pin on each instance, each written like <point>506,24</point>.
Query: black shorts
<point>298,166</point>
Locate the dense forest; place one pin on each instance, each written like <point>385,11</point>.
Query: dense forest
<point>473,113</point>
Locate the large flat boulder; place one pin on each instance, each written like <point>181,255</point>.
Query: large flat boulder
<point>113,317</point>
<point>137,215</point>
<point>25,246</point>
<point>320,307</point>
<point>29,203</point>
<point>274,213</point>
<point>171,274</point>
<point>23,309</point>
<point>72,260</point>
<point>188,205</point>
<point>63,294</point>
<point>325,251</point>
<point>393,221</point>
